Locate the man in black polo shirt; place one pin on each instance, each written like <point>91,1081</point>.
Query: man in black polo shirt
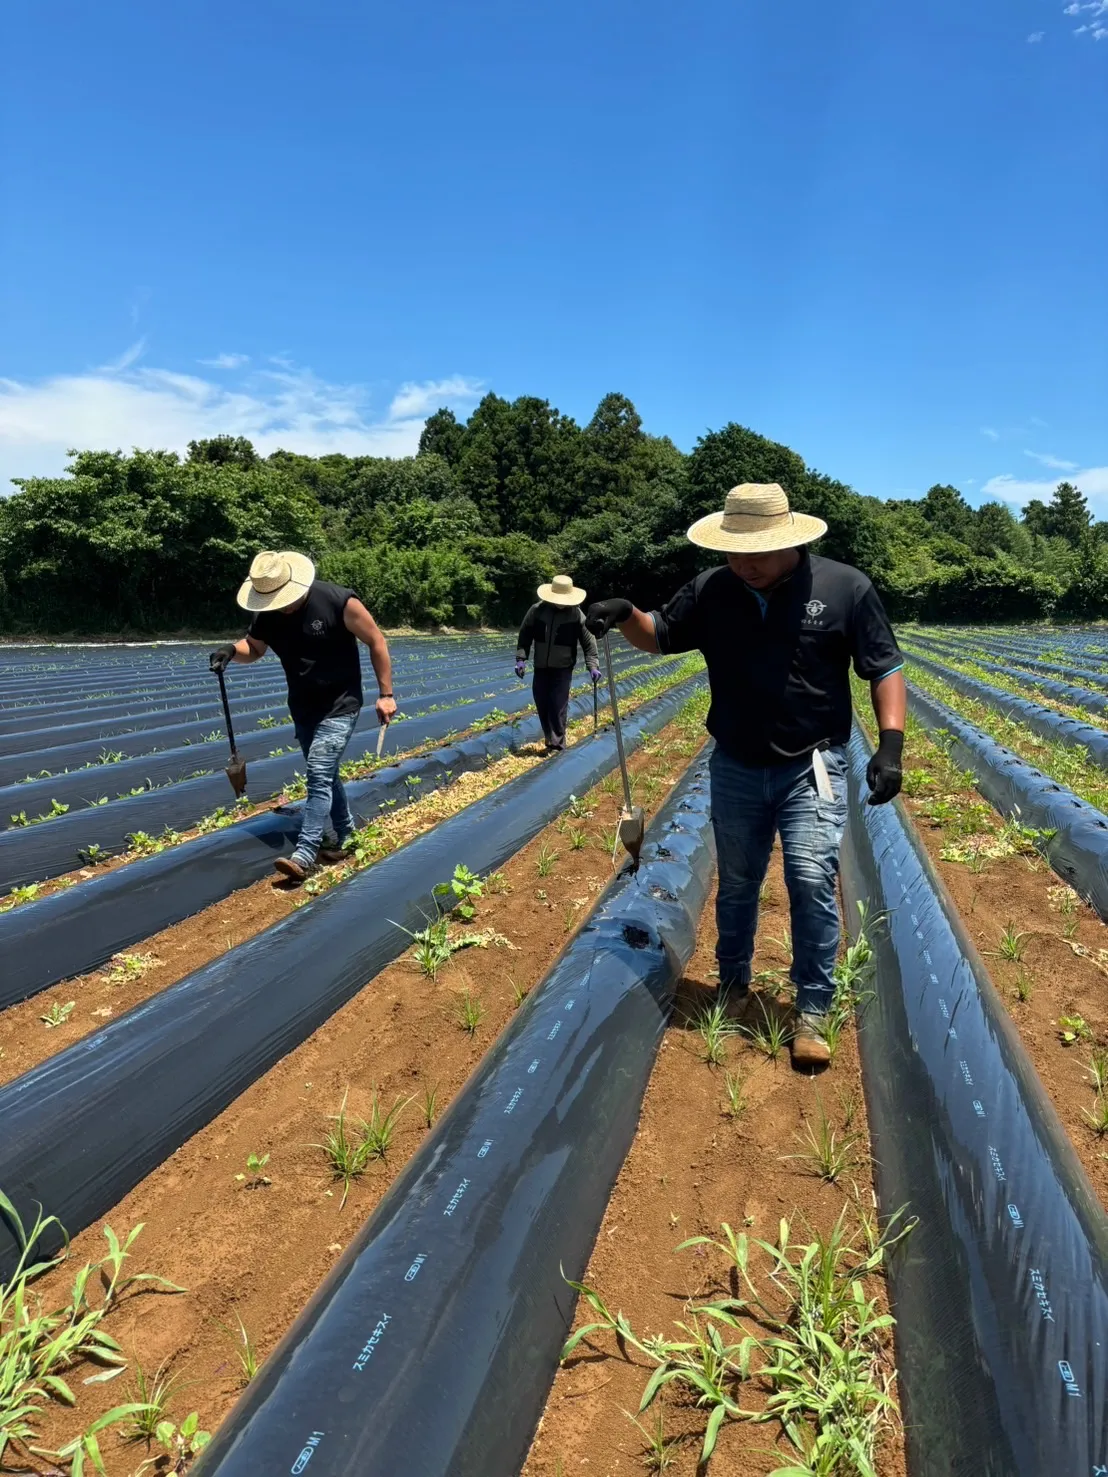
<point>779,628</point>
<point>314,627</point>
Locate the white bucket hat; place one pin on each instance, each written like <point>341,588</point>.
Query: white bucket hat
<point>561,591</point>
<point>756,519</point>
<point>276,580</point>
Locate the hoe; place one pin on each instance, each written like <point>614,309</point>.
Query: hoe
<point>631,822</point>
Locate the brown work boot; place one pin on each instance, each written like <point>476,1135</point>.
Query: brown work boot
<point>808,1046</point>
<point>737,1002</point>
<point>291,869</point>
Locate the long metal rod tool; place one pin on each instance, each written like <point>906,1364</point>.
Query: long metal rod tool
<point>632,823</point>
<point>236,770</point>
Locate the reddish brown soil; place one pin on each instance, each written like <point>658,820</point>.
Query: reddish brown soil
<point>257,1254</point>
<point>1025,893</point>
<point>691,1168</point>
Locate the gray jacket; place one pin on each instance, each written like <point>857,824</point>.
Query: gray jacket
<point>556,631</point>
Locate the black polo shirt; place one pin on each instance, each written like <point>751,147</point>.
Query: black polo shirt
<point>779,663</point>
<point>318,653</point>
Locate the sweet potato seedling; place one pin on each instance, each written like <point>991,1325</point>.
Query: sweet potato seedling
<point>254,1178</point>
<point>58,1014</point>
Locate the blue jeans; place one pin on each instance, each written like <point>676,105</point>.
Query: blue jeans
<point>749,807</point>
<point>324,744</point>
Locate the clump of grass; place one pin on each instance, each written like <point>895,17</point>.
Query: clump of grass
<point>470,1012</point>
<point>1098,1070</point>
<point>1012,944</point>
<point>520,991</point>
<point>659,1450</point>
<point>578,837</point>
<point>349,1152</point>
<point>544,862</point>
<point>714,1026</point>
<point>771,1034</point>
<point>152,1392</point>
<point>247,1352</point>
<point>1025,986</point>
<point>1098,1118</point>
<point>734,1084</point>
<point>430,1104</point>
<point>830,1154</point>
<point>378,1131</point>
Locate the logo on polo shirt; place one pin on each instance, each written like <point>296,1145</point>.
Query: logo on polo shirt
<point>813,610</point>
<point>317,626</point>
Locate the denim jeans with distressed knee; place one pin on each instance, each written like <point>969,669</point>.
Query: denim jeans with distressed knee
<point>324,744</point>
<point>750,806</point>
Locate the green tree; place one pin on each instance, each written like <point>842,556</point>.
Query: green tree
<point>1067,515</point>
<point>223,450</point>
<point>947,511</point>
<point>442,436</point>
<point>1086,597</point>
<point>723,459</point>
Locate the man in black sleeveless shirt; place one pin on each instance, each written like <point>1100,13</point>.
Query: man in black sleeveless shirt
<point>314,627</point>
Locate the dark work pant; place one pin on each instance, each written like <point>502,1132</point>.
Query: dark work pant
<point>551,693</point>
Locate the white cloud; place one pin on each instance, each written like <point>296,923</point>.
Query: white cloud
<point>988,431</point>
<point>1056,463</point>
<point>420,400</point>
<point>1092,9</point>
<point>1092,481</point>
<point>226,361</point>
<point>126,359</point>
<point>159,408</point>
<point>1035,37</point>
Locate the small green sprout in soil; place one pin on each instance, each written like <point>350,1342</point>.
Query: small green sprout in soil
<point>179,1444</point>
<point>734,1084</point>
<point>1072,1028</point>
<point>254,1178</point>
<point>714,1026</point>
<point>544,862</point>
<point>430,1104</point>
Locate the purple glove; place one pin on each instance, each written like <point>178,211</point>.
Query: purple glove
<point>521,667</point>
<point>594,673</point>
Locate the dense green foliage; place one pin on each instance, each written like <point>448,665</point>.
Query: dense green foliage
<point>465,530</point>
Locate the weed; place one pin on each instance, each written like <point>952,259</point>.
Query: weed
<point>152,1393</point>
<point>470,1013</point>
<point>544,862</point>
<point>496,882</point>
<point>432,947</point>
<point>1025,986</point>
<point>465,887</point>
<point>1073,1028</point>
<point>179,1443</point>
<point>578,838</point>
<point>246,1350</point>
<point>57,1015</point>
<point>109,756</point>
<point>347,1156</point>
<point>609,836</point>
<point>126,967</point>
<point>830,1154</point>
<point>660,1451</point>
<point>378,1131</point>
<point>1098,1070</point>
<point>714,1025</point>
<point>1098,1118</point>
<point>93,854</point>
<point>268,722</point>
<point>519,991</point>
<point>771,1035</point>
<point>20,818</point>
<point>253,1179</point>
<point>734,1084</point>
<point>430,1104</point>
<point>37,1347</point>
<point>23,894</point>
<point>1012,944</point>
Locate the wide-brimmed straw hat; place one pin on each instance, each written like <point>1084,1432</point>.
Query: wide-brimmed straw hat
<point>276,580</point>
<point>756,519</point>
<point>561,591</point>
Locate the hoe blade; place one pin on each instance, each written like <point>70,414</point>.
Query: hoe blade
<point>632,829</point>
<point>236,773</point>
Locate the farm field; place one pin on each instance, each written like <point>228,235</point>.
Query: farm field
<point>337,1117</point>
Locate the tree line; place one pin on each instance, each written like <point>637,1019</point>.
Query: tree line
<point>462,532</point>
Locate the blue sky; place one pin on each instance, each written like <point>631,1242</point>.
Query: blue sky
<point>874,232</point>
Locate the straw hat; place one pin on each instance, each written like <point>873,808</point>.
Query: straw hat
<point>756,520</point>
<point>276,580</point>
<point>561,591</point>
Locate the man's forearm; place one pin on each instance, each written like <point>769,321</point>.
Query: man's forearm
<point>382,665</point>
<point>245,652</point>
<point>639,630</point>
<point>889,696</point>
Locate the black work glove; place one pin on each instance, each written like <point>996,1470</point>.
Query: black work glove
<point>883,770</point>
<point>220,659</point>
<point>605,614</point>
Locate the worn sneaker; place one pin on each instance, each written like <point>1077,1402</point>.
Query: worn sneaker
<point>293,870</point>
<point>808,1046</point>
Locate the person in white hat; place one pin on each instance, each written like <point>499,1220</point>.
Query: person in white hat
<point>555,627</point>
<point>779,628</point>
<point>314,627</point>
